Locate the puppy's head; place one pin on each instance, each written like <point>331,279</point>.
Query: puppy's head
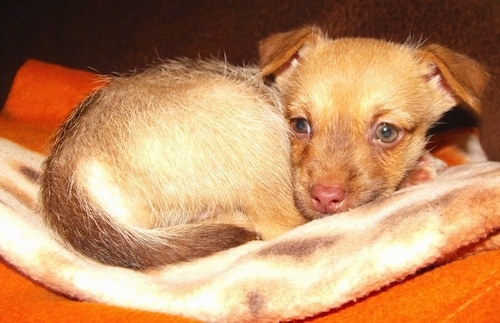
<point>359,110</point>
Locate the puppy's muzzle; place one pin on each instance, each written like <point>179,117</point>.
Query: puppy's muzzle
<point>328,199</point>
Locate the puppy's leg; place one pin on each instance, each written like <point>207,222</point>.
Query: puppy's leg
<point>427,169</point>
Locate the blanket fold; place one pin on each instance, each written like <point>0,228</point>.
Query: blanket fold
<point>369,264</point>
<point>43,94</point>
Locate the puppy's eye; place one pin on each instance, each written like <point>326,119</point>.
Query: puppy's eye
<point>300,127</point>
<point>386,133</point>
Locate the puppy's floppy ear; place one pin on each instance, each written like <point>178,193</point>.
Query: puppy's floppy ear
<point>461,77</point>
<point>278,51</point>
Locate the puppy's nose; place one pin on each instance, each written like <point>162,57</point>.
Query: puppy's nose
<point>328,199</point>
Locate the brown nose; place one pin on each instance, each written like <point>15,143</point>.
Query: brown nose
<point>328,199</point>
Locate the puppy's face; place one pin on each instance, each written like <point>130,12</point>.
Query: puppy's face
<point>359,110</point>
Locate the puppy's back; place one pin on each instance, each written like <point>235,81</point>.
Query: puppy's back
<point>177,162</point>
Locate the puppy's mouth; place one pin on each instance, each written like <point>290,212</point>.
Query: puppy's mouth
<point>320,200</point>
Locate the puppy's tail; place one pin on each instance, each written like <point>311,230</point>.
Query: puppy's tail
<point>95,234</point>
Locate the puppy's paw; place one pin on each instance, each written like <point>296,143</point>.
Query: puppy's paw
<point>427,169</point>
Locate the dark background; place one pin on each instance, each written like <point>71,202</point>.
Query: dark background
<point>119,36</point>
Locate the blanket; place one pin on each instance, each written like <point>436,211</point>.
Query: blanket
<point>427,252</point>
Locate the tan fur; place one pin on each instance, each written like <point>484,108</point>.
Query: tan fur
<point>343,89</point>
<point>190,158</point>
<point>177,162</point>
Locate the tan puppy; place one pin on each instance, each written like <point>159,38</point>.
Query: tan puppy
<point>190,158</point>
<point>177,162</point>
<point>360,109</point>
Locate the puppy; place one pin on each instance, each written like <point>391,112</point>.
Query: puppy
<point>359,110</point>
<point>190,158</point>
<point>170,164</point>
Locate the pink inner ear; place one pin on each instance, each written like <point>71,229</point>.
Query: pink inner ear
<point>290,64</point>
<point>436,73</point>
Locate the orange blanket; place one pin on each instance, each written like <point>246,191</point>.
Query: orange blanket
<point>41,96</point>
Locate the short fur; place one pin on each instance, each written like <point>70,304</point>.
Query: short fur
<point>170,164</point>
<point>342,95</point>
